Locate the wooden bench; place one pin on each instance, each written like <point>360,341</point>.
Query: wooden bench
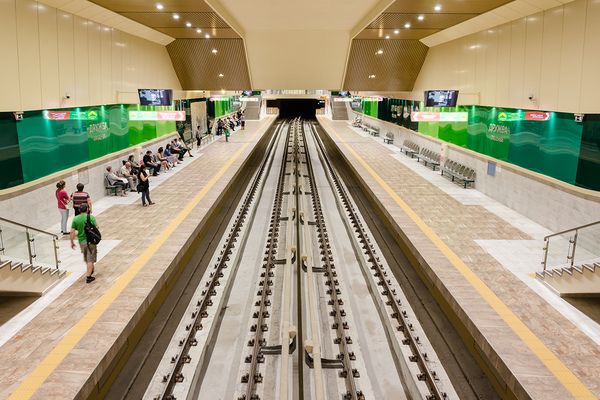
<point>389,138</point>
<point>429,157</point>
<point>409,148</point>
<point>458,171</point>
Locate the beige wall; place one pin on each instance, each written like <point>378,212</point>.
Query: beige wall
<point>554,55</point>
<point>48,52</point>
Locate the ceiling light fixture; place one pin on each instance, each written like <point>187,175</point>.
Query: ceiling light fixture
<point>221,75</point>
<point>188,24</point>
<point>397,31</point>
<point>387,37</point>
<point>207,36</point>
<point>380,51</point>
<point>421,17</point>
<point>159,6</point>
<point>437,8</point>
<point>176,16</point>
<point>372,76</point>
<point>199,30</point>
<point>407,25</point>
<point>214,51</point>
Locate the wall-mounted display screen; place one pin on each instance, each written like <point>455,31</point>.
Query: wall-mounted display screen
<point>155,97</point>
<point>344,94</point>
<point>247,93</point>
<point>441,98</point>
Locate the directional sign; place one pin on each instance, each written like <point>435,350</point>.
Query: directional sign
<point>157,115</point>
<point>537,116</point>
<point>439,116</point>
<point>57,115</point>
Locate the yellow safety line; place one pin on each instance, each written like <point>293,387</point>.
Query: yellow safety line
<point>562,373</point>
<point>45,368</point>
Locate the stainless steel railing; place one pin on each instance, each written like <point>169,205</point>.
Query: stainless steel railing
<point>26,242</point>
<point>584,236</point>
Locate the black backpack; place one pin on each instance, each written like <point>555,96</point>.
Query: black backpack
<point>92,233</point>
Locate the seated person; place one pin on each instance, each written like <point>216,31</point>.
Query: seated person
<point>183,146</point>
<point>116,181</point>
<point>176,148</point>
<point>149,164</point>
<point>134,164</point>
<point>127,173</point>
<point>170,156</point>
<point>162,159</point>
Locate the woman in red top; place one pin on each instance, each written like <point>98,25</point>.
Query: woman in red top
<point>63,199</point>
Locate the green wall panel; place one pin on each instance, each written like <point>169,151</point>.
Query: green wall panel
<point>10,156</point>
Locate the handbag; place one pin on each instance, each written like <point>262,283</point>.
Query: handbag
<point>140,188</point>
<point>69,204</point>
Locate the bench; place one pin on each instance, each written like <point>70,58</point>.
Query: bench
<point>409,148</point>
<point>111,188</point>
<point>458,171</point>
<point>389,138</point>
<point>374,132</point>
<point>429,157</point>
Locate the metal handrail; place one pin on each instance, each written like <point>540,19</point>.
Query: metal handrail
<point>31,240</point>
<point>572,242</point>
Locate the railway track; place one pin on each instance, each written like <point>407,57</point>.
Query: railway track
<point>298,329</point>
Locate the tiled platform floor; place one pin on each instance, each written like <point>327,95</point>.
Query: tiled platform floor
<point>56,353</point>
<point>504,309</point>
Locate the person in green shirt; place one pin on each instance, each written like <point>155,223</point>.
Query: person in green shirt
<point>89,250</point>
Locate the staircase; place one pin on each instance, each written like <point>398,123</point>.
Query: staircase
<point>252,111</point>
<point>20,279</point>
<point>339,111</point>
<point>573,281</point>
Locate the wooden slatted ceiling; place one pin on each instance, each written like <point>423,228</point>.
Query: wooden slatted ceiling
<point>396,69</point>
<point>198,68</point>
<point>166,20</point>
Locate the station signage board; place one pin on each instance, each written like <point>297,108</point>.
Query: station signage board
<point>70,115</point>
<point>249,99</point>
<point>537,116</point>
<point>340,99</point>
<point>439,116</point>
<point>157,115</point>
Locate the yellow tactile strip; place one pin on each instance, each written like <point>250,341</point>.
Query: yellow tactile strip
<point>558,369</point>
<point>28,387</point>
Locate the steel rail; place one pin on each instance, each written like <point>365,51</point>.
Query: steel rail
<point>182,357</point>
<point>254,377</point>
<point>412,340</point>
<point>349,374</point>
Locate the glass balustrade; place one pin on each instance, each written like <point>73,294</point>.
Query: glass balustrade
<point>23,243</point>
<point>576,246</point>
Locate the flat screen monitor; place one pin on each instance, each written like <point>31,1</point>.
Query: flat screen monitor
<point>441,98</point>
<point>344,94</point>
<point>155,97</point>
<point>247,93</point>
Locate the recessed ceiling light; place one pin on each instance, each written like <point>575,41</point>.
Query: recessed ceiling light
<point>159,6</point>
<point>214,51</point>
<point>407,25</point>
<point>397,31</point>
<point>372,76</point>
<point>387,37</point>
<point>188,24</point>
<point>207,36</point>
<point>437,8</point>
<point>421,17</point>
<point>380,51</point>
<point>199,30</point>
<point>220,74</point>
<point>176,16</point>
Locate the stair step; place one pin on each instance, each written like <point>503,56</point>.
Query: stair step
<point>15,266</point>
<point>540,275</point>
<point>61,274</point>
<point>25,267</point>
<point>557,271</point>
<point>578,268</point>
<point>589,267</point>
<point>568,270</point>
<point>54,271</point>
<point>45,270</point>
<point>5,264</point>
<point>35,269</point>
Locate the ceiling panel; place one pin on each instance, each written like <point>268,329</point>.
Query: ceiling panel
<point>389,20</point>
<point>448,6</point>
<point>396,69</point>
<point>146,5</point>
<point>166,20</point>
<point>402,33</point>
<point>188,33</point>
<point>198,68</point>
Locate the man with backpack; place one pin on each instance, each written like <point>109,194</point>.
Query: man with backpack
<point>89,236</point>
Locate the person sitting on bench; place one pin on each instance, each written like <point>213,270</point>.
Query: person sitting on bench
<point>114,180</point>
<point>149,164</point>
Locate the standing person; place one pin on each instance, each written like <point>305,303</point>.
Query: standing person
<point>63,200</point>
<point>198,139</point>
<point>80,197</point>
<point>88,250</point>
<point>243,120</point>
<point>219,127</point>
<point>144,185</point>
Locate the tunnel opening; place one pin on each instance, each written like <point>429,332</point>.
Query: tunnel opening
<point>293,108</point>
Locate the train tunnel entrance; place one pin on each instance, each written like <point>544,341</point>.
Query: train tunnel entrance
<point>292,108</point>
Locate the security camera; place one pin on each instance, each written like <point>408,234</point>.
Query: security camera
<point>67,95</point>
<point>530,97</point>
<point>18,115</point>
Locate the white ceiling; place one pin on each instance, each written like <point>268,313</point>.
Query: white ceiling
<point>293,44</point>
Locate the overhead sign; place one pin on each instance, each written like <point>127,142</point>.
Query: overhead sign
<point>340,99</point>
<point>439,116</point>
<point>219,99</point>
<point>249,99</point>
<point>157,115</point>
<point>376,98</point>
<point>537,116</point>
<point>70,115</point>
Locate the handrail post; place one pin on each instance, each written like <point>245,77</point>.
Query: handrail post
<point>56,260</point>
<point>547,240</point>
<point>574,246</point>
<point>29,246</point>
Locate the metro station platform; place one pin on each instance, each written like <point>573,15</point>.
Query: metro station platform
<point>69,349</point>
<point>478,258</point>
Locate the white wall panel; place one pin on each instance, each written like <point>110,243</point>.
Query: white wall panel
<point>49,52</point>
<point>504,55</point>
<point>81,52</point>
<point>491,66</point>
<point>66,59</point>
<point>551,58</point>
<point>533,59</point>
<point>29,54</point>
<point>517,63</point>
<point>95,62</point>
<point>471,65</point>
<point>48,37</point>
<point>480,65</point>
<point>569,90</point>
<point>9,67</point>
<point>591,60</point>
